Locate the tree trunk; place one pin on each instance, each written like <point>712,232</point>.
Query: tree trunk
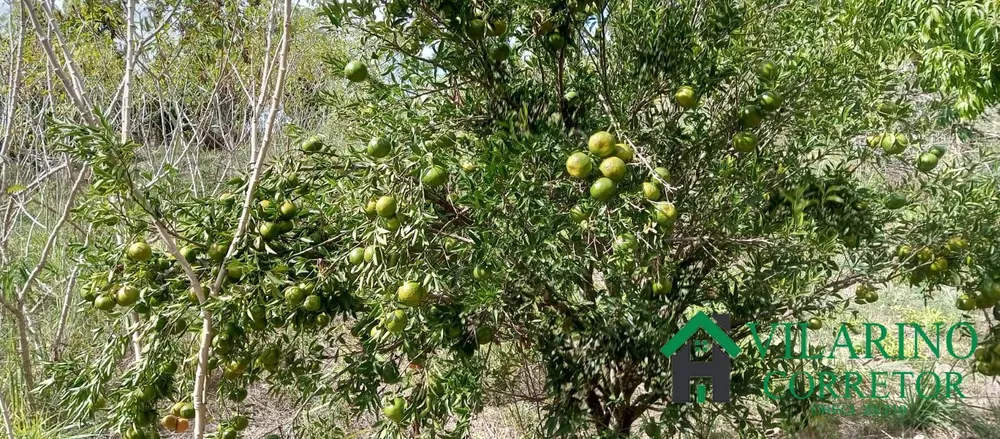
<point>7,426</point>
<point>24,349</point>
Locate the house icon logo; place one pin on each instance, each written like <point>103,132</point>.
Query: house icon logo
<point>683,368</point>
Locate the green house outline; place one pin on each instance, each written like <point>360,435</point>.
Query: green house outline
<point>701,321</point>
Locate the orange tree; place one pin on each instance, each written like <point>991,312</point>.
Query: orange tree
<point>560,181</point>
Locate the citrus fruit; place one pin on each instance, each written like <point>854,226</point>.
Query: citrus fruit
<point>894,144</point>
<point>186,411</point>
<point>133,433</point>
<point>903,251</point>
<point>925,254</point>
<point>485,335</point>
<point>965,303</point>
<point>895,202</point>
<point>169,422</point>
<point>662,172</point>
<point>379,147</point>
<point>938,150</point>
<point>940,264</point>
<point>395,411</point>
<point>613,168</point>
<point>356,256</point>
<point>497,28</point>
<point>104,302</point>
<point>744,141</point>
<point>603,189</point>
<point>284,226</point>
<point>395,321</point>
<point>555,41</point>
<point>872,296</point>
<point>624,152</point>
<point>815,323</point>
<point>356,71</point>
<point>217,251</point>
<point>651,191</point>
<point>663,286</point>
<point>268,230</point>
<point>990,288</point>
<point>579,165</point>
<point>685,97</point>
<point>189,252</point>
<point>239,422</point>
<point>480,273</point>
<point>957,243</point>
<point>369,253</point>
<point>370,210</point>
<point>312,144</point>
<point>312,303</point>
<point>664,213</point>
<point>139,251</point>
<point>926,162</point>
<point>625,243</point>
<point>294,295</point>
<point>602,144</point>
<point>435,176</point>
<point>127,295</point>
<point>410,293</point>
<point>392,224</point>
<point>499,51</point>
<point>386,206</point>
<point>767,70</point>
<point>176,409</point>
<point>750,116</point>
<point>578,214</point>
<point>770,100</point>
<point>233,370</point>
<point>476,29</point>
<point>288,210</point>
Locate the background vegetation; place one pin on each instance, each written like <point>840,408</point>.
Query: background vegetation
<point>421,219</point>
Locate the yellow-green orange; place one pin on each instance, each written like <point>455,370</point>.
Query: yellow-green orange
<point>664,213</point>
<point>603,189</point>
<point>613,168</point>
<point>476,29</point>
<point>127,295</point>
<point>410,293</point>
<point>770,100</point>
<point>288,210</point>
<point>139,251</point>
<point>744,142</point>
<point>395,321</point>
<point>767,70</point>
<point>356,71</point>
<point>435,176</point>
<point>396,410</point>
<point>602,144</point>
<point>651,191</point>
<point>579,165</point>
<point>379,147</point>
<point>356,256</point>
<point>685,97</point>
<point>386,206</point>
<point>926,162</point>
<point>624,152</point>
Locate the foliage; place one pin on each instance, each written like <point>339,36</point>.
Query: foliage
<point>411,307</point>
